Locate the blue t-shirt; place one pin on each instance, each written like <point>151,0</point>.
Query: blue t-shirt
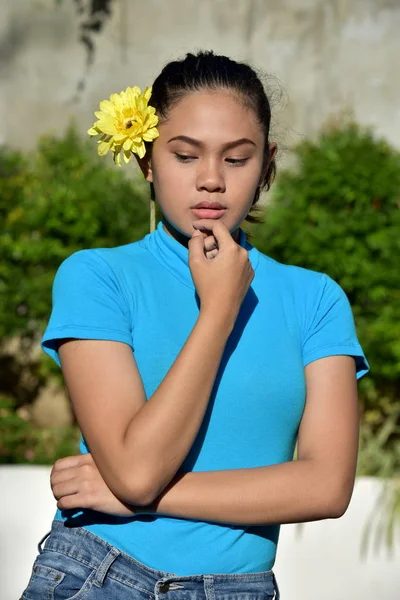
<point>142,294</point>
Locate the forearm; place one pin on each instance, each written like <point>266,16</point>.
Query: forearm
<point>289,492</point>
<point>160,435</point>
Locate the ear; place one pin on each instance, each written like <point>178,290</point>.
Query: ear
<point>273,148</point>
<point>145,166</point>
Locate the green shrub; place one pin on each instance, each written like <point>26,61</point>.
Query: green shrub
<point>338,212</point>
<point>58,199</point>
<point>22,442</point>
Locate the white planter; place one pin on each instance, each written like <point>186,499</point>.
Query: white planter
<point>315,561</point>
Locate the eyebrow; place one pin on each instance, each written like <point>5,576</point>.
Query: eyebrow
<point>193,142</point>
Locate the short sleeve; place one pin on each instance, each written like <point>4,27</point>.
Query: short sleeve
<point>87,303</point>
<point>331,329</point>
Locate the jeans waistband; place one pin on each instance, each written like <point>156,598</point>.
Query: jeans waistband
<point>88,548</point>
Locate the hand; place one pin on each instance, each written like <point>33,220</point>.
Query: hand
<point>210,244</point>
<point>76,483</point>
<point>222,282</point>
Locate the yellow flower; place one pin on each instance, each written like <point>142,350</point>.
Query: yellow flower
<point>125,122</point>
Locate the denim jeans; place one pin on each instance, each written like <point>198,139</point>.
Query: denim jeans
<point>75,564</point>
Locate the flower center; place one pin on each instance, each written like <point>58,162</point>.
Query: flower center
<point>128,123</point>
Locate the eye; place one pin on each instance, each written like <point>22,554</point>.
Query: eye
<point>184,157</point>
<point>237,162</point>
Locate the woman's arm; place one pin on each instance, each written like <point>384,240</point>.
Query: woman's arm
<point>316,486</point>
<point>138,445</point>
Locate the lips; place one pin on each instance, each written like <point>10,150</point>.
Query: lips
<point>214,205</point>
<point>209,210</point>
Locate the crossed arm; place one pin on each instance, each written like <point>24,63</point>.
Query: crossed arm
<point>316,486</point>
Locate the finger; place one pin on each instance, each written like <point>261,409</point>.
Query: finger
<point>212,254</point>
<point>219,230</point>
<point>196,246</point>
<point>61,476</point>
<point>72,501</point>
<point>68,462</point>
<point>210,243</point>
<point>66,488</point>
<point>209,239</point>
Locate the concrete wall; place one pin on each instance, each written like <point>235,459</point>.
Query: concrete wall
<point>315,561</point>
<point>328,54</point>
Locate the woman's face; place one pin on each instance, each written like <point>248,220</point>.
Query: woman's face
<point>210,149</point>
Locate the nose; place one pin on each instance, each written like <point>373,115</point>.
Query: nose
<point>210,176</point>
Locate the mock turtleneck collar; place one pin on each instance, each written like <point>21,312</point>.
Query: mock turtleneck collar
<point>175,257</point>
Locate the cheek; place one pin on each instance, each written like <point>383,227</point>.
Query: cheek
<point>172,181</point>
<point>242,179</point>
<point>172,187</point>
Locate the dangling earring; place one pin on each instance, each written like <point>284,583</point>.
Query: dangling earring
<point>152,215</point>
<point>152,209</point>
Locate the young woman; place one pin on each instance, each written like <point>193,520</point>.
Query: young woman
<point>194,363</point>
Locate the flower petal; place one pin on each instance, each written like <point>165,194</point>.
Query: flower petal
<point>127,145</point>
<point>106,127</point>
<point>135,90</point>
<point>116,99</point>
<point>117,158</point>
<point>103,117</point>
<point>120,138</point>
<point>104,147</point>
<point>150,135</point>
<point>151,121</point>
<point>141,104</point>
<point>127,155</point>
<point>147,92</point>
<point>132,94</point>
<point>140,150</point>
<point>107,107</point>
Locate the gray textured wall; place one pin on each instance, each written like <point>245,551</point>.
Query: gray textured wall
<point>328,54</point>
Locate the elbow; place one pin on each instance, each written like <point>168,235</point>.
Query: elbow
<point>132,482</point>
<point>137,491</point>
<point>339,508</point>
<point>339,502</point>
<point>139,496</point>
<point>145,496</point>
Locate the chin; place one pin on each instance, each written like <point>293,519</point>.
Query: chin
<point>177,225</point>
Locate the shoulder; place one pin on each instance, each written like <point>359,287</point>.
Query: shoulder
<point>321,307</point>
<point>97,274</point>
<point>97,263</point>
<point>311,295</point>
<point>106,258</point>
<point>304,283</point>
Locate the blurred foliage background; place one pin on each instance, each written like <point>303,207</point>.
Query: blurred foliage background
<point>53,201</point>
<point>335,211</point>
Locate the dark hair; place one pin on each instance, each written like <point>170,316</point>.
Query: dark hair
<point>206,70</point>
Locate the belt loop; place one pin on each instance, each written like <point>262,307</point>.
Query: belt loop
<point>39,546</point>
<point>209,589</point>
<point>106,563</point>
